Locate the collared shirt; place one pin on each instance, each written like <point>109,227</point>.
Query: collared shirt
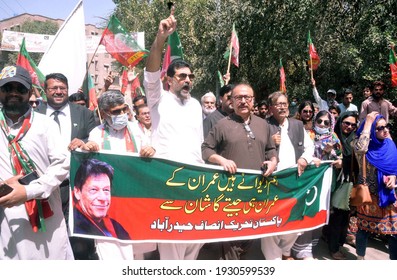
<point>177,127</point>
<point>383,107</point>
<point>351,108</point>
<point>64,120</point>
<point>287,151</point>
<point>230,139</point>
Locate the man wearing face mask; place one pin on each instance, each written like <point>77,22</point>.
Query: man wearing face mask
<point>119,135</point>
<point>116,133</point>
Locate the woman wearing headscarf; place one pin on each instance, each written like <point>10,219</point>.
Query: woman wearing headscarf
<point>327,146</point>
<point>336,230</point>
<point>380,217</point>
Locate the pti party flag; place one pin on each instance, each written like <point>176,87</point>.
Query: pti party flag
<point>234,48</point>
<point>197,203</point>
<point>27,62</point>
<point>124,81</point>
<point>89,92</point>
<point>283,88</point>
<point>314,59</point>
<point>173,51</point>
<point>121,45</point>
<point>393,67</point>
<point>67,53</point>
<point>221,81</point>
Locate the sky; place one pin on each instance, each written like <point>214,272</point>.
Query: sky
<point>94,10</point>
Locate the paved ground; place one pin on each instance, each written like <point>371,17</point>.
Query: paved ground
<point>377,250</point>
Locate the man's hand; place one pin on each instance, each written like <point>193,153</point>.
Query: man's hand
<point>167,26</point>
<point>108,81</point>
<point>302,164</point>
<point>269,166</point>
<point>277,138</point>
<point>76,143</point>
<point>90,146</point>
<point>147,151</point>
<point>17,196</point>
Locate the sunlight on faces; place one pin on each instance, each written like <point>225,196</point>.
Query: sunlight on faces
<point>382,129</point>
<point>307,113</point>
<point>280,108</point>
<point>243,100</point>
<point>94,196</point>
<point>57,93</point>
<point>323,121</point>
<point>179,86</point>
<point>143,116</point>
<point>348,125</point>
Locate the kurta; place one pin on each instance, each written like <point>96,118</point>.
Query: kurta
<point>17,240</point>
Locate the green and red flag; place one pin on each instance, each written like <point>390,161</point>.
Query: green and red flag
<point>24,60</point>
<point>182,202</point>
<point>234,48</point>
<point>121,45</point>
<point>314,59</point>
<point>124,80</point>
<point>393,67</point>
<point>283,88</point>
<point>174,50</point>
<point>89,92</point>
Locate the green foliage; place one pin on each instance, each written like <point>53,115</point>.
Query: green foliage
<point>351,38</point>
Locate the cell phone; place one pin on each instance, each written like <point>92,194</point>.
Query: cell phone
<point>5,189</point>
<point>264,168</point>
<point>25,180</point>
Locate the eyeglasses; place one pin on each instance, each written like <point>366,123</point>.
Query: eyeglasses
<point>37,103</point>
<point>183,76</point>
<point>54,89</point>
<point>240,97</point>
<point>320,121</point>
<point>281,104</point>
<point>381,128</point>
<point>117,112</point>
<point>249,131</point>
<point>346,123</point>
<point>8,88</point>
<point>307,111</point>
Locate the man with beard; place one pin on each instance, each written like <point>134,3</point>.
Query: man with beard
<point>377,103</point>
<point>32,224</point>
<point>225,109</point>
<point>240,140</point>
<point>208,104</point>
<point>177,122</point>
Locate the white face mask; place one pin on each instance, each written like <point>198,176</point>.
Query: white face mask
<point>320,130</point>
<point>119,121</point>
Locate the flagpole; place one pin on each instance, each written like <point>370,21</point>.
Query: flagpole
<point>230,57</point>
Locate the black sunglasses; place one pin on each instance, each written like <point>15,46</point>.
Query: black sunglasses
<point>8,88</point>
<point>349,124</point>
<point>320,121</point>
<point>34,102</point>
<point>117,112</point>
<point>183,76</point>
<point>307,111</point>
<point>381,128</point>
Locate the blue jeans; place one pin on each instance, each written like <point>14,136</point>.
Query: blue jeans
<point>362,240</point>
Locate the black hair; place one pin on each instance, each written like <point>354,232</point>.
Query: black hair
<point>56,76</point>
<point>92,167</point>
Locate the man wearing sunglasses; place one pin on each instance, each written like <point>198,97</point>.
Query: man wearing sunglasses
<point>32,224</point>
<point>177,120</point>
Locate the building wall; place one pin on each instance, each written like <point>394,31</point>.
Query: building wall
<point>101,63</point>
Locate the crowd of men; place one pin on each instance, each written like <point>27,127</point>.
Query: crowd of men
<point>38,136</point>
